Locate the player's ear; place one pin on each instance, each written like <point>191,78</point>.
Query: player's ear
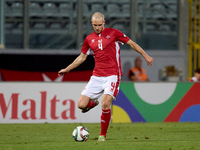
<point>104,21</point>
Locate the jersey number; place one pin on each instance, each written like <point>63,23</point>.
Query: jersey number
<point>100,46</point>
<point>113,84</point>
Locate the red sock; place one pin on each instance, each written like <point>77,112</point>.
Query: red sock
<point>105,120</point>
<point>91,104</point>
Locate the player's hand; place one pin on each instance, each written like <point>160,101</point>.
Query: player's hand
<point>149,60</point>
<point>62,72</point>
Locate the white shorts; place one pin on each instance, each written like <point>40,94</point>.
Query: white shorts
<point>102,85</point>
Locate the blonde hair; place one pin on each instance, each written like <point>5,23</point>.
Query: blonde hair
<point>98,15</point>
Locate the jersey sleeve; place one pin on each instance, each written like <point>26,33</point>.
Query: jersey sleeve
<point>86,48</point>
<point>119,36</point>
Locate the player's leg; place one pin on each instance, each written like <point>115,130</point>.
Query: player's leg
<point>85,103</point>
<point>106,115</point>
<point>110,92</point>
<point>106,101</point>
<point>90,94</point>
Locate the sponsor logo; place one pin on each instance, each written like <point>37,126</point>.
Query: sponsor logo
<point>100,41</point>
<point>16,108</point>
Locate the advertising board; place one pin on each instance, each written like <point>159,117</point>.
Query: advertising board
<point>44,102</point>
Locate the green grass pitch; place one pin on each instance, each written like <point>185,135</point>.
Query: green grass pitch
<point>120,136</point>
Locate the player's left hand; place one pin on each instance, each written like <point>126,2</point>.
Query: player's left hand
<point>149,60</point>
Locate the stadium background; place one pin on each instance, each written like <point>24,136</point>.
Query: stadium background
<point>40,37</point>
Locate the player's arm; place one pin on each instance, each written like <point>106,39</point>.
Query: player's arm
<point>138,49</point>
<point>78,61</point>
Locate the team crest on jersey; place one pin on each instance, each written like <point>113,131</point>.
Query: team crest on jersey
<point>108,36</point>
<point>93,41</point>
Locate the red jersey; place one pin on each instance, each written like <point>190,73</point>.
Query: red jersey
<point>106,51</point>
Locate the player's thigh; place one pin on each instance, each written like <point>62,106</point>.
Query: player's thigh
<point>94,88</point>
<point>83,101</point>
<point>112,86</point>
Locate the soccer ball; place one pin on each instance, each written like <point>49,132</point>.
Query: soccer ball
<point>80,134</point>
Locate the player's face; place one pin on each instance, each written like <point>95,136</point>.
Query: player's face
<point>98,25</point>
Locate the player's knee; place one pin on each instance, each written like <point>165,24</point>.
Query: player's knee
<point>81,105</point>
<point>106,101</point>
<point>105,105</point>
<point>83,102</point>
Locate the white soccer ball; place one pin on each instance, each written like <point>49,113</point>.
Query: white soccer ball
<point>80,134</point>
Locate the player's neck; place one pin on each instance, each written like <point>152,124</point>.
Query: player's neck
<point>101,31</point>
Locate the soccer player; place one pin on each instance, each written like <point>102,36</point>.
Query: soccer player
<point>104,42</point>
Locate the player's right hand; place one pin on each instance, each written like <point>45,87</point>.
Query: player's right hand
<point>62,72</point>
